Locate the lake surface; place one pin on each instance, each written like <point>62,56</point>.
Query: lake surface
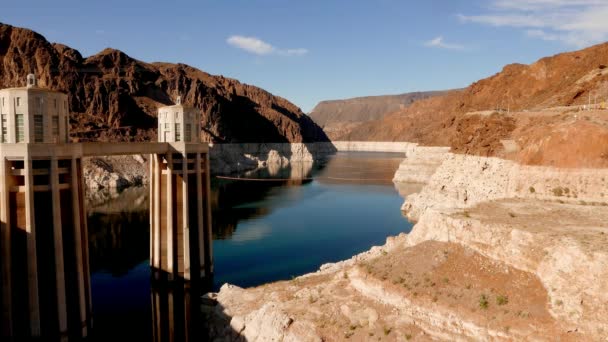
<point>268,225</point>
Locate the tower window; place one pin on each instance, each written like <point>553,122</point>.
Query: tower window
<point>19,128</point>
<point>38,129</point>
<point>56,125</point>
<point>66,129</point>
<point>18,101</point>
<point>187,132</point>
<point>4,128</point>
<point>178,135</point>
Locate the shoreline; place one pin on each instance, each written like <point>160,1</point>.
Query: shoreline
<point>106,177</point>
<point>481,210</point>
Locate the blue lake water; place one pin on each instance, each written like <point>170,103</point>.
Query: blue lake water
<point>263,231</point>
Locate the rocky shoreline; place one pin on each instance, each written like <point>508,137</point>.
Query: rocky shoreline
<point>500,251</point>
<point>106,177</point>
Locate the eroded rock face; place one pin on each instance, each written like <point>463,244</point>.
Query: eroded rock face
<point>475,120</point>
<point>105,177</point>
<point>420,164</point>
<point>230,158</point>
<point>115,97</point>
<point>463,181</point>
<point>339,117</point>
<point>562,244</point>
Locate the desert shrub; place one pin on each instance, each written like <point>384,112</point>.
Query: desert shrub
<point>483,302</point>
<point>558,191</point>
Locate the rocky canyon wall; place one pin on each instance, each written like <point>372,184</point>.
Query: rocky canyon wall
<point>463,181</point>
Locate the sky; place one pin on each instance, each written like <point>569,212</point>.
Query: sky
<point>313,50</point>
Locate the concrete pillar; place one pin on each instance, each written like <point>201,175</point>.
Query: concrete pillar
<point>85,242</point>
<point>79,246</point>
<point>155,199</point>
<point>207,228</point>
<point>200,213</point>
<point>180,208</point>
<point>6,325</point>
<point>170,228</point>
<point>62,313</point>
<point>185,217</point>
<point>151,174</point>
<point>32,262</point>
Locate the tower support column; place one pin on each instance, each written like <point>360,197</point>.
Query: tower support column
<point>32,253</point>
<point>6,326</point>
<point>44,243</point>
<point>180,220</point>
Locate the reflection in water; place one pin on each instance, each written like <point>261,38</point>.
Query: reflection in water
<point>227,196</point>
<point>263,231</point>
<point>175,312</point>
<point>268,231</point>
<point>118,241</point>
<point>120,279</point>
<point>360,168</point>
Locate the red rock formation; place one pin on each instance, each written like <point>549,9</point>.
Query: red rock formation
<point>531,93</point>
<point>114,97</point>
<point>339,117</point>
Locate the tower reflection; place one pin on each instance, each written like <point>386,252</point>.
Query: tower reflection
<point>176,314</point>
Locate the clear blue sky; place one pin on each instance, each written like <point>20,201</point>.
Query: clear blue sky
<point>308,51</point>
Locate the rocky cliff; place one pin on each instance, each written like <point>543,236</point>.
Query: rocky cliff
<point>339,117</point>
<point>113,96</point>
<point>523,103</point>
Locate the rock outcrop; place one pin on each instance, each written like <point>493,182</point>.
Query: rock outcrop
<point>420,164</point>
<point>230,158</point>
<point>106,177</point>
<point>463,181</point>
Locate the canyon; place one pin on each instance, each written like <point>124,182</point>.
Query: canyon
<point>499,251</point>
<point>509,192</point>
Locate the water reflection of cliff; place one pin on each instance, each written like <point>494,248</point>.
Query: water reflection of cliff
<point>119,232</point>
<point>360,168</point>
<point>231,198</point>
<point>250,194</point>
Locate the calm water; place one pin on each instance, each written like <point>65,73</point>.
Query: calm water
<point>263,231</point>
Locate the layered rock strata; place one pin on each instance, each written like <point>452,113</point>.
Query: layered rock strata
<point>420,164</point>
<point>463,181</point>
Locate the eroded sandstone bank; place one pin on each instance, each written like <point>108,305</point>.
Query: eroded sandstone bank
<point>500,251</point>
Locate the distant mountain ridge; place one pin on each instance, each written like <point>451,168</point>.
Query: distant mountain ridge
<point>339,117</point>
<point>115,97</point>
